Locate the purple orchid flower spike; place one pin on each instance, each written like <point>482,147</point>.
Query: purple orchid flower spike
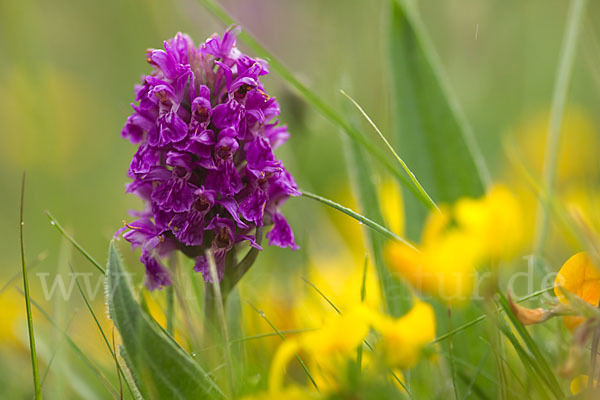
<point>205,130</point>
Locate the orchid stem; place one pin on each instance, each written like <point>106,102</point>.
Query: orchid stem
<point>170,309</point>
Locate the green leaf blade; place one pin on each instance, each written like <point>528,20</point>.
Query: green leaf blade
<point>432,136</point>
<point>160,367</point>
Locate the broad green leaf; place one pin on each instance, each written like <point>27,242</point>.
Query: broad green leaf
<point>160,367</point>
<point>431,134</point>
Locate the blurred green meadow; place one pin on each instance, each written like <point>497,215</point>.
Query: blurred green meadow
<point>67,70</point>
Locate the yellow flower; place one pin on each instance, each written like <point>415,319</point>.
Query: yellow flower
<point>292,392</point>
<point>13,314</point>
<point>581,277</point>
<point>340,279</point>
<point>456,240</point>
<point>495,220</point>
<point>392,206</point>
<point>403,339</point>
<point>340,336</point>
<point>330,348</point>
<point>579,384</point>
<point>443,266</point>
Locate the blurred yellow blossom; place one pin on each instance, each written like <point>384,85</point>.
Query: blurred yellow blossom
<point>580,276</point>
<point>295,304</point>
<point>496,219</point>
<point>577,163</point>
<point>402,339</point>
<point>292,392</point>
<point>456,240</point>
<point>392,205</point>
<point>331,347</point>
<point>442,266</point>
<point>13,312</point>
<point>577,153</point>
<point>579,384</point>
<point>340,278</point>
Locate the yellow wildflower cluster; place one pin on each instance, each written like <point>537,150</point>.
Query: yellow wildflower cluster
<point>332,347</point>
<point>456,240</point>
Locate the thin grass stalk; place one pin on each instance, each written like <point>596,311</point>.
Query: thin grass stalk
<point>110,349</point>
<point>559,98</point>
<point>32,350</point>
<point>476,375</point>
<point>54,353</point>
<point>87,255</point>
<point>410,174</point>
<point>363,294</point>
<point>451,356</point>
<point>484,316</point>
<point>170,299</point>
<point>220,310</point>
<point>496,346</point>
<point>95,370</point>
<point>280,334</point>
<point>362,219</point>
<point>117,365</point>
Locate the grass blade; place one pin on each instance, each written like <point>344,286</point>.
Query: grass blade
<point>111,389</point>
<point>118,366</point>
<point>309,283</point>
<point>546,371</point>
<point>315,100</point>
<point>471,384</point>
<point>220,308</point>
<point>112,352</point>
<point>530,364</point>
<point>280,334</point>
<point>363,220</point>
<point>451,357</point>
<point>87,255</point>
<point>559,99</point>
<point>170,312</point>
<point>411,175</point>
<point>484,316</point>
<point>366,342</point>
<point>54,353</point>
<point>34,365</point>
<point>363,295</point>
<point>394,293</point>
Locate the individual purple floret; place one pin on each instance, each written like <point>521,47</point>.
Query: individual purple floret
<point>205,168</point>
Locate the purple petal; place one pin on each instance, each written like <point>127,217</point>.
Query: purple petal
<point>281,234</point>
<point>157,276</point>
